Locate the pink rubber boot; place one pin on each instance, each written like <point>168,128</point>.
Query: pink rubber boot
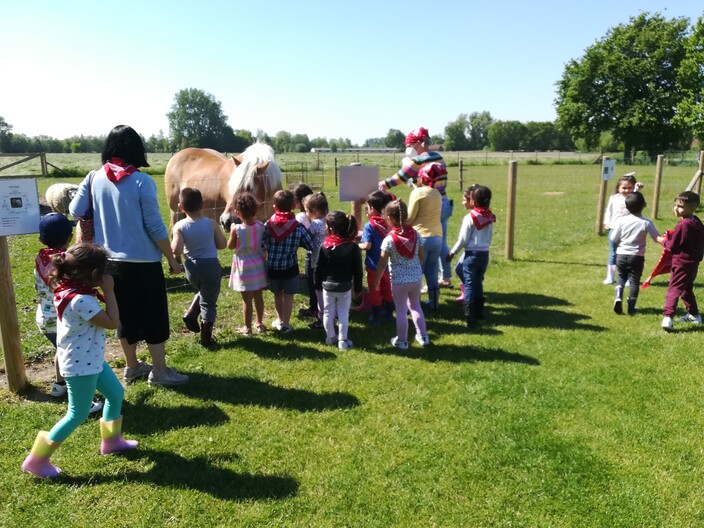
<point>112,441</point>
<point>460,299</point>
<point>37,462</point>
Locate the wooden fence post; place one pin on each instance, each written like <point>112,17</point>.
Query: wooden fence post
<point>697,179</point>
<point>9,328</point>
<point>656,187</point>
<point>335,172</point>
<point>461,176</point>
<point>510,208</point>
<point>602,199</point>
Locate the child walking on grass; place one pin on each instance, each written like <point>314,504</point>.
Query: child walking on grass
<point>199,238</point>
<point>81,328</point>
<point>402,251</point>
<point>687,248</point>
<point>616,208</point>
<point>338,271</point>
<point>629,233</point>
<point>248,273</point>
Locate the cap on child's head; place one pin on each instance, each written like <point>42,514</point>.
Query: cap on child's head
<point>55,229</point>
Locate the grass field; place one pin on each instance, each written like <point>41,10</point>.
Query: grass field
<point>556,413</point>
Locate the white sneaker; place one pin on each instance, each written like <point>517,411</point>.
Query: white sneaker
<point>96,406</point>
<point>168,378</point>
<point>142,370</point>
<point>667,324</point>
<point>58,390</point>
<point>422,340</point>
<point>424,289</point>
<point>403,345</point>
<point>276,325</point>
<point>344,345</point>
<point>608,280</point>
<point>689,318</point>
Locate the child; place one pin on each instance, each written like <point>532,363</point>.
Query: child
<point>80,350</point>
<point>402,251</point>
<point>468,203</point>
<point>300,191</point>
<point>616,208</point>
<point>338,270</point>
<point>248,275</point>
<point>316,206</point>
<point>628,233</point>
<point>55,232</point>
<point>199,238</point>
<point>374,232</point>
<point>475,238</point>
<point>687,248</point>
<point>283,235</point>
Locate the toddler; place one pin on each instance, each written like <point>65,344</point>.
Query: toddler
<point>316,206</point>
<point>615,208</point>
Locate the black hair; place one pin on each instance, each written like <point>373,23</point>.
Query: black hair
<point>284,200</point>
<point>482,196</point>
<point>635,203</point>
<point>84,263</point>
<point>378,200</point>
<point>190,199</point>
<point>300,190</point>
<point>316,202</point>
<point>124,143</point>
<point>469,191</point>
<point>342,224</point>
<point>625,178</point>
<point>246,204</point>
<point>397,211</point>
<point>689,198</point>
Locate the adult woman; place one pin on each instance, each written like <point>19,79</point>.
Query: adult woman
<point>128,224</point>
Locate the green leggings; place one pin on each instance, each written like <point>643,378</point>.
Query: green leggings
<point>81,390</point>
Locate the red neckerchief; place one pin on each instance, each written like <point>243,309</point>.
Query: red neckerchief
<point>116,169</point>
<point>67,289</point>
<point>379,225</point>
<point>334,240</point>
<point>482,217</point>
<point>405,239</point>
<point>43,264</point>
<point>281,225</point>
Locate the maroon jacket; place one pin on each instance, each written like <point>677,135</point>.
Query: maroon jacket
<point>687,241</point>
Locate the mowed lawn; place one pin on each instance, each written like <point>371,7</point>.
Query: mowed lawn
<point>557,412</point>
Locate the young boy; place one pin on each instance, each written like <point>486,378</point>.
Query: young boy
<point>56,233</point>
<point>316,206</point>
<point>199,238</point>
<point>300,192</point>
<point>374,232</point>
<point>687,248</point>
<point>283,235</point>
<point>629,233</point>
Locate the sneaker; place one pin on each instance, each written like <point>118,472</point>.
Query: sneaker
<point>424,289</point>
<point>330,340</point>
<point>58,390</point>
<point>618,305</point>
<point>689,318</point>
<point>142,370</point>
<point>344,345</point>
<point>276,325</point>
<point>96,406</point>
<point>285,329</point>
<point>403,345</point>
<point>608,280</point>
<point>316,325</point>
<point>422,340</point>
<point>168,378</point>
<point>307,312</point>
<point>667,324</point>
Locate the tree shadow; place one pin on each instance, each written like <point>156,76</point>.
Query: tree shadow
<point>457,354</point>
<point>290,351</point>
<point>169,469</point>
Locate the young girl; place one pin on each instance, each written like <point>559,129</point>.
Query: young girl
<point>248,274</point>
<point>402,251</point>
<point>616,208</point>
<point>468,204</point>
<point>338,270</point>
<point>316,206</point>
<point>80,349</point>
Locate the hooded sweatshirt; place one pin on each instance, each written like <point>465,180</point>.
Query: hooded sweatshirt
<point>339,268</point>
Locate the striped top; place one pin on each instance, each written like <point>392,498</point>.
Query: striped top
<point>410,172</point>
<point>248,269</point>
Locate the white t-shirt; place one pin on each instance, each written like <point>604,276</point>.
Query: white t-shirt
<point>80,345</point>
<point>630,232</point>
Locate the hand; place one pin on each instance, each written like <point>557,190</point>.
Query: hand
<point>449,257</point>
<point>382,186</point>
<point>174,267</point>
<point>107,284</point>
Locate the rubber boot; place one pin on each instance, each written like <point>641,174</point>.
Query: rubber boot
<point>460,297</point>
<point>479,307</point>
<point>469,314</point>
<point>610,272</point>
<point>618,300</point>
<point>632,305</point>
<point>375,317</point>
<point>37,462</point>
<point>433,299</point>
<point>112,441</point>
<point>389,308</point>
<point>190,318</point>
<point>206,334</point>
<point>363,306</point>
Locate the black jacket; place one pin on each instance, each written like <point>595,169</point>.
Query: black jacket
<point>338,268</point>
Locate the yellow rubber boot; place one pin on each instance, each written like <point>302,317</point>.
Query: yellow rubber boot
<point>37,462</point>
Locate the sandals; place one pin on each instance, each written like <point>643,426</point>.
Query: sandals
<point>261,328</point>
<point>244,331</point>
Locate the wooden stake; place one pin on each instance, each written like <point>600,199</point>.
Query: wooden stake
<point>602,199</point>
<point>510,208</point>
<point>656,188</point>
<point>9,328</point>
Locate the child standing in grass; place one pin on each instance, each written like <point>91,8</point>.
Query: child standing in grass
<point>199,238</point>
<point>338,271</point>
<point>615,209</point>
<point>628,233</point>
<point>316,206</point>
<point>402,251</point>
<point>475,238</point>
<point>248,273</point>
<point>468,204</point>
<point>283,235</point>
<point>300,191</point>
<point>687,248</point>
<point>80,350</point>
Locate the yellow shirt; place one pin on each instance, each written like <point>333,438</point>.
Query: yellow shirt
<point>424,209</point>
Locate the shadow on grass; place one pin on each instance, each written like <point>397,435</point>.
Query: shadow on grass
<point>457,354</point>
<point>145,419</point>
<point>171,470</point>
<point>561,263</point>
<point>292,350</point>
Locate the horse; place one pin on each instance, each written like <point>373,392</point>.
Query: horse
<point>219,178</point>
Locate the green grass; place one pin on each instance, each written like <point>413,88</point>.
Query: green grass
<point>556,413</point>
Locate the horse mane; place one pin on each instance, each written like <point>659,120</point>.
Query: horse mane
<point>242,178</point>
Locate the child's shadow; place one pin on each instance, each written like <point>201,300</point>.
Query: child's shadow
<point>145,419</point>
<point>198,473</point>
<point>459,354</point>
<point>290,351</point>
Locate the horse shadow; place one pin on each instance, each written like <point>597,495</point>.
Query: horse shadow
<point>171,470</point>
<point>458,354</point>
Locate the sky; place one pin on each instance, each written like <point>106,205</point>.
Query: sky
<point>321,68</point>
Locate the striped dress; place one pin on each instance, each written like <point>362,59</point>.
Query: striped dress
<point>248,267</point>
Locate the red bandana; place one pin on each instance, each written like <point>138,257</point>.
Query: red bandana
<point>379,225</point>
<point>43,264</point>
<point>67,289</point>
<point>482,217</point>
<point>334,240</point>
<point>282,225</point>
<point>405,240</point>
<point>431,172</point>
<point>116,169</point>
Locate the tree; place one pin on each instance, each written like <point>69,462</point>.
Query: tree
<point>395,139</point>
<point>478,129</point>
<point>507,135</point>
<point>196,120</point>
<point>374,142</point>
<point>282,142</point>
<point>690,111</point>
<point>456,134</point>
<point>627,83</point>
<point>5,134</point>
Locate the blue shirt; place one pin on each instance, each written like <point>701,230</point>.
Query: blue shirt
<point>374,252</point>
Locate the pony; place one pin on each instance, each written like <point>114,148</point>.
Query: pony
<point>219,178</point>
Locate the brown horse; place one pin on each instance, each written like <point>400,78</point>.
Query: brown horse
<point>219,178</point>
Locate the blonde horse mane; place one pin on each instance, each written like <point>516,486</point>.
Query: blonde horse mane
<point>244,174</point>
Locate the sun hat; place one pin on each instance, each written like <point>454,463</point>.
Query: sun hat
<point>416,135</point>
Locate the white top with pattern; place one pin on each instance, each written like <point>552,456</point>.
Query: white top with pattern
<point>80,345</point>
<point>403,270</point>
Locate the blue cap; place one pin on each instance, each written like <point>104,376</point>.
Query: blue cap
<point>55,229</point>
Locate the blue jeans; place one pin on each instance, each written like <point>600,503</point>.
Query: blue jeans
<point>474,266</point>
<point>445,214</point>
<point>432,247</point>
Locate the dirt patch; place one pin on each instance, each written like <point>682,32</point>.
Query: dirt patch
<point>553,193</point>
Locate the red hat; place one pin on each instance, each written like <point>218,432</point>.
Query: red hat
<point>416,135</point>
<point>430,172</point>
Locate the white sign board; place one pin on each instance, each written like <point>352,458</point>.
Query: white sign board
<point>19,207</point>
<point>608,170</point>
<point>358,181</point>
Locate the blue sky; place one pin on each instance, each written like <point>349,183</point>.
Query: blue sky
<point>325,69</point>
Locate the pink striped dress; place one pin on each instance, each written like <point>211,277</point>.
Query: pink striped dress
<point>248,267</point>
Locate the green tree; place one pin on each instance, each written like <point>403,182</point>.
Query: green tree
<point>196,120</point>
<point>627,83</point>
<point>319,142</point>
<point>478,130</point>
<point>690,111</point>
<point>282,142</point>
<point>507,135</point>
<point>456,134</point>
<point>374,142</point>
<point>395,139</point>
<point>5,135</point>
